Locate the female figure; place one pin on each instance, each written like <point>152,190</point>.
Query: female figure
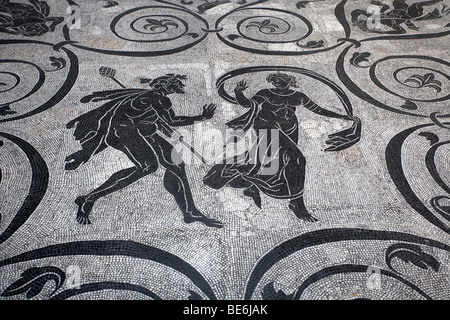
<point>271,109</point>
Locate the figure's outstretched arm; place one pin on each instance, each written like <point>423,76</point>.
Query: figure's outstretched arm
<point>242,99</point>
<point>240,96</point>
<point>312,106</point>
<point>168,116</point>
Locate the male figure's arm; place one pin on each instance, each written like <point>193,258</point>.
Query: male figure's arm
<point>168,119</point>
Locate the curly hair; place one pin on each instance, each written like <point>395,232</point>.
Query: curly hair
<point>164,82</point>
<point>290,79</point>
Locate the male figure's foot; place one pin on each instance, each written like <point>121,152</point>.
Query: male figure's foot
<point>84,209</point>
<point>253,193</point>
<point>197,216</point>
<point>300,211</point>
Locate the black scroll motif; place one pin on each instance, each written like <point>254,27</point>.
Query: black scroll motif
<point>395,160</point>
<point>400,20</point>
<point>273,109</point>
<point>45,80</point>
<point>202,6</point>
<point>33,279</point>
<point>285,31</point>
<point>410,84</point>
<point>148,31</point>
<point>29,20</point>
<point>36,191</point>
<point>329,236</point>
<point>137,122</point>
<point>177,26</point>
<point>411,253</point>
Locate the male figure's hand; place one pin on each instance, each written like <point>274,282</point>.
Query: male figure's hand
<point>208,111</point>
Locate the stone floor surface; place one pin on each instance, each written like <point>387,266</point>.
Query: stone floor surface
<point>224,149</point>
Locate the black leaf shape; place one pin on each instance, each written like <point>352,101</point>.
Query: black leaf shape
<point>432,137</point>
<point>264,25</point>
<point>443,210</point>
<point>409,105</point>
<point>58,63</point>
<point>193,35</point>
<point>194,296</point>
<point>2,84</point>
<point>269,293</point>
<point>209,5</point>
<point>233,37</point>
<point>6,110</point>
<point>33,280</point>
<point>358,58</point>
<point>447,25</point>
<point>110,4</point>
<point>302,4</point>
<point>312,44</point>
<point>1,144</point>
<point>164,24</point>
<point>411,253</point>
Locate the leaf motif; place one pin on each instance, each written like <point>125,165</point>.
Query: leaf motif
<point>269,293</point>
<point>253,24</point>
<point>428,80</point>
<point>411,253</point>
<point>312,44</point>
<point>301,4</point>
<point>6,110</point>
<point>417,77</point>
<point>435,87</point>
<point>233,37</point>
<point>167,22</point>
<point>428,77</point>
<point>153,22</point>
<point>58,63</point>
<point>358,58</point>
<point>432,137</point>
<point>411,79</point>
<point>33,280</point>
<point>193,35</point>
<point>409,105</point>
<point>111,4</point>
<point>443,210</point>
<point>265,24</point>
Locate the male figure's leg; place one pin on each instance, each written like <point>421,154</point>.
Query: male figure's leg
<point>176,182</point>
<point>139,151</point>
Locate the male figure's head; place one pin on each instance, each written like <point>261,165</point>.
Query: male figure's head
<point>168,84</point>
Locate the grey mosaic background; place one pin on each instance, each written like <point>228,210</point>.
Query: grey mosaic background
<point>382,201</point>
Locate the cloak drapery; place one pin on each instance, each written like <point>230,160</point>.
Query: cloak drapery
<point>93,127</point>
